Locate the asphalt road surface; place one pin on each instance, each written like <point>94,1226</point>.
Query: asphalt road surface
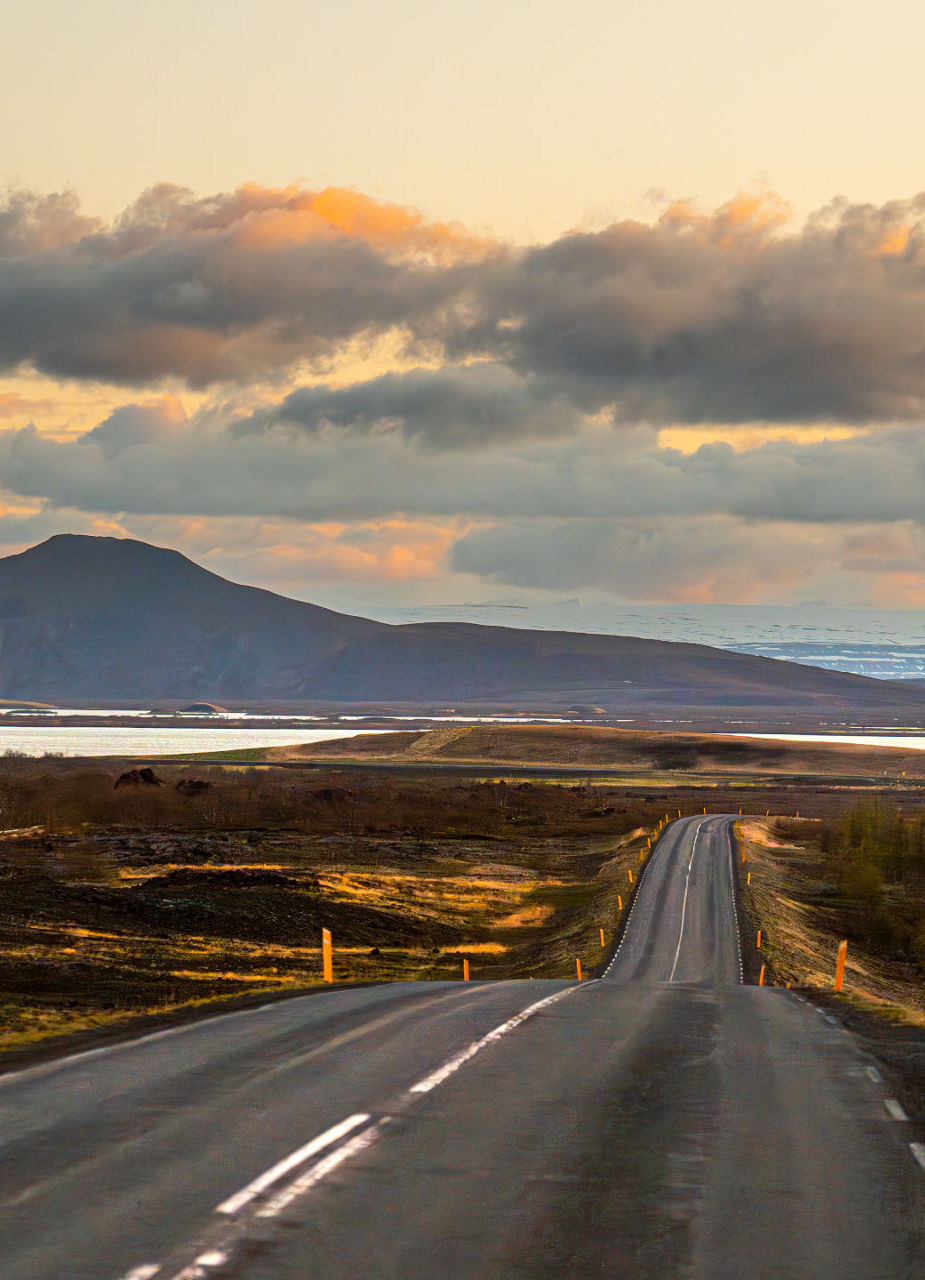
<point>664,1122</point>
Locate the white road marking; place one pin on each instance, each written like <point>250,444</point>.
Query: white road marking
<point>326,1139</point>
<point>895,1109</point>
<point>321,1170</point>
<point>918,1150</point>
<point>629,918</point>
<point>687,885</point>
<point>448,1068</point>
<point>199,1269</point>
<point>144,1272</point>
<point>873,1074</point>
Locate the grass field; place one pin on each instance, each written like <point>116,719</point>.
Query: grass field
<point>117,902</point>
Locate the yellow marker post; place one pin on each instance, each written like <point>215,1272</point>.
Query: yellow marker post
<point>767,813</point>
<point>840,964</point>
<point>641,856</point>
<point>740,813</point>
<point>748,878</point>
<point>603,943</point>
<point>761,977</point>
<point>327,955</point>
<point>648,842</point>
<point>679,813</point>
<point>629,872</point>
<point>704,808</point>
<point>619,903</point>
<point>743,855</point>
<point>578,967</point>
<point>465,970</point>
<point>758,943</point>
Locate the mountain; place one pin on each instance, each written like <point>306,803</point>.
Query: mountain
<point>109,620</point>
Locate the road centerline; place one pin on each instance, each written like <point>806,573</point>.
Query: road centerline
<point>687,885</point>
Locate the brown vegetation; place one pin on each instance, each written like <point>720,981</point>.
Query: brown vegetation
<point>630,751</point>
<point>114,902</point>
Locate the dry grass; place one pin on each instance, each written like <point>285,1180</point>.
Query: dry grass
<point>101,922</point>
<point>800,935</point>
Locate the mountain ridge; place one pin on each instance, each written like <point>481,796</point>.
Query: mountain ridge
<point>102,619</point>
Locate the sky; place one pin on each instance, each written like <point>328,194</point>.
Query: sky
<point>411,303</point>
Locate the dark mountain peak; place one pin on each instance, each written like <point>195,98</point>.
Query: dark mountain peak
<point>100,619</point>
<point>91,550</point>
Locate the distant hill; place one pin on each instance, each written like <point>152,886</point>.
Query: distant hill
<point>108,620</point>
<point>596,746</point>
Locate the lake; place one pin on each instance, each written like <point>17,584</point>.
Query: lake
<point>103,740</point>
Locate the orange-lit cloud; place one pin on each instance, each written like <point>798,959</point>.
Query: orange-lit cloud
<point>746,215</point>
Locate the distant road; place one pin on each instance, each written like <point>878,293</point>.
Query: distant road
<point>663,1122</point>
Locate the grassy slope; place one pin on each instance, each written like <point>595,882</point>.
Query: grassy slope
<point>790,900</point>
<point>625,749</point>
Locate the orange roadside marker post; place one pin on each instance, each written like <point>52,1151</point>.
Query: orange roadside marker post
<point>840,964</point>
<point>748,878</point>
<point>619,903</point>
<point>578,968</point>
<point>327,955</point>
<point>629,872</point>
<point>465,970</point>
<point>761,977</point>
<point>758,943</point>
<point>603,943</point>
<point>679,813</point>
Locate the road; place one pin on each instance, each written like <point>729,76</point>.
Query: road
<point>664,1122</point>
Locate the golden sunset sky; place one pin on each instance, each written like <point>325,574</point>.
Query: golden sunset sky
<point>418,303</point>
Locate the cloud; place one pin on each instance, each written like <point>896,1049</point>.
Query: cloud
<point>701,559</point>
<point>723,318</point>
<point>147,459</point>
<point>728,317</point>
<point>223,288</point>
<point>465,407</point>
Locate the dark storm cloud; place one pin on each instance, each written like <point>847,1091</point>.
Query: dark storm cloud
<point>724,318</point>
<point>480,403</point>
<point>720,319</point>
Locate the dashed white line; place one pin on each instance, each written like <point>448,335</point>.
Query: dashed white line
<point>321,1170</point>
<point>453,1064</point>
<point>895,1109</point>
<point>687,885</point>
<point>873,1074</point>
<point>918,1151</point>
<point>200,1268</point>
<point>253,1189</point>
<point>144,1272</point>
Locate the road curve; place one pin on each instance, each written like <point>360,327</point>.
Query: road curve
<point>664,1122</point>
